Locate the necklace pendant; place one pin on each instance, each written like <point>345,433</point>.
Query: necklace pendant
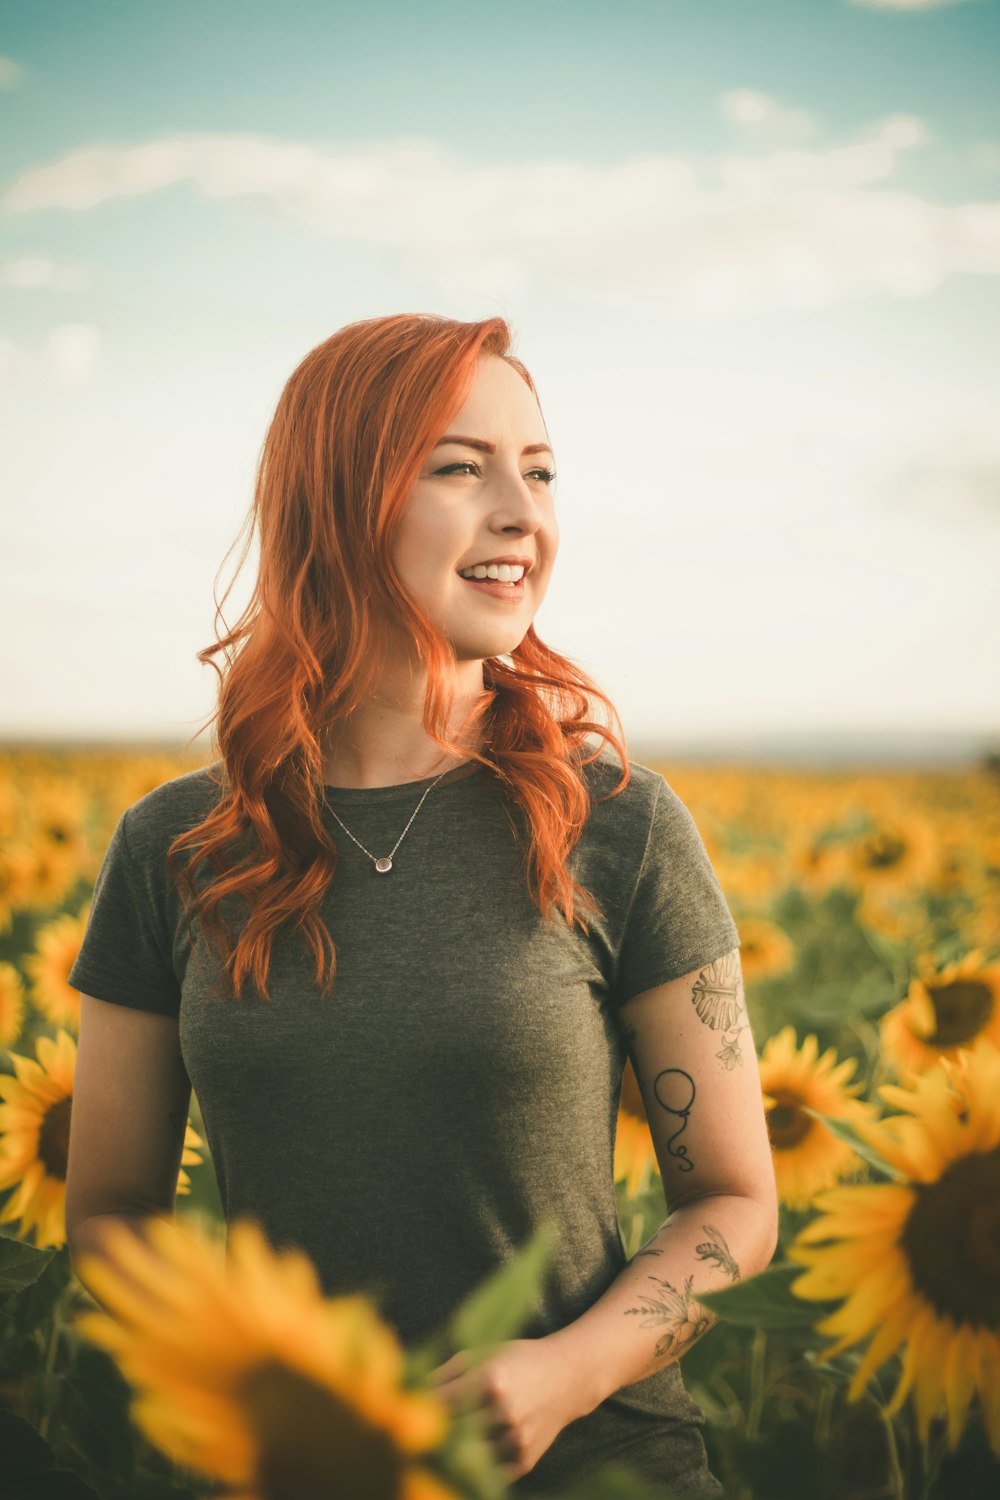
<point>383,866</point>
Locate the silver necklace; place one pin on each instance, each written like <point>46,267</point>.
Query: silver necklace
<point>384,865</point>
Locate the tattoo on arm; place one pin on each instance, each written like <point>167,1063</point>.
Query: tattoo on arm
<point>674,1091</point>
<point>681,1317</point>
<point>718,999</point>
<point>715,1248</point>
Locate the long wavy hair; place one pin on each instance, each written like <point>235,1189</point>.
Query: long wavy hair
<point>353,425</point>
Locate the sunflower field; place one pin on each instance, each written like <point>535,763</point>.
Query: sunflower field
<point>862,1364</point>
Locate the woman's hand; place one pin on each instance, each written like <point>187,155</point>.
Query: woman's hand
<point>527,1394</point>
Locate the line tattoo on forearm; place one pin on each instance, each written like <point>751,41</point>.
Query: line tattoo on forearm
<point>682,1318</point>
<point>674,1091</point>
<point>717,997</point>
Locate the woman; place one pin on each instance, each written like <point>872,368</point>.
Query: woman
<point>489,914</point>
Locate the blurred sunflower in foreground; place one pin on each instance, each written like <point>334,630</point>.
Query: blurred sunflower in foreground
<point>807,1156</point>
<point>244,1371</point>
<point>945,1008</point>
<point>34,1139</point>
<point>918,1260</point>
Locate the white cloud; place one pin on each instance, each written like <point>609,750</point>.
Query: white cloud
<point>765,117</point>
<point>32,272</point>
<point>10,73</point>
<point>772,229</point>
<point>72,351</point>
<point>8,357</point>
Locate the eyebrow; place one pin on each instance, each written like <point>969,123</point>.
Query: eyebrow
<point>484,447</point>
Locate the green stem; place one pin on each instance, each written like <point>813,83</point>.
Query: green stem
<point>895,1471</point>
<point>824,1408</point>
<point>932,1462</point>
<point>44,1383</point>
<point>638,1225</point>
<point>756,1403</point>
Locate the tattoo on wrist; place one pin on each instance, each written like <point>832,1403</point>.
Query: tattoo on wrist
<point>718,998</point>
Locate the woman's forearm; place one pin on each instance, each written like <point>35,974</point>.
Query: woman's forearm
<point>87,1240</point>
<point>649,1315</point>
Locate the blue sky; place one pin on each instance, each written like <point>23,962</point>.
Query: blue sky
<point>762,240</point>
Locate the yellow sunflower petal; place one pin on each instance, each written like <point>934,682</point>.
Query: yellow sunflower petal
<point>961,1376</point>
<point>420,1484</point>
<point>886,1341</point>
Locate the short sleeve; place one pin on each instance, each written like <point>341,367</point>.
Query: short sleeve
<point>125,953</point>
<point>678,918</point>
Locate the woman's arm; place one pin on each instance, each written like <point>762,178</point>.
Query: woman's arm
<point>695,1062</point>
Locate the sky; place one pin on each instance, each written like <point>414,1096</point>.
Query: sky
<point>749,253</point>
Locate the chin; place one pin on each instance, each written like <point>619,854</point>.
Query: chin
<point>478,649</point>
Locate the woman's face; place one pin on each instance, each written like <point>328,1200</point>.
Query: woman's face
<point>471,506</point>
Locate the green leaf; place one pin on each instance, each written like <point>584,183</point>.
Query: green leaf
<point>33,1306</point>
<point>495,1311</point>
<point>95,1408</point>
<point>499,1308</point>
<point>784,1462</point>
<point>30,1471</point>
<point>20,1264</point>
<point>765,1300</point>
<point>844,1131</point>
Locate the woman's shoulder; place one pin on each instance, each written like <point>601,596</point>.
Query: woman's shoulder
<point>626,811</point>
<point>157,817</point>
<point>604,774</point>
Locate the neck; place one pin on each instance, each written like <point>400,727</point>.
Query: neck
<point>384,742</point>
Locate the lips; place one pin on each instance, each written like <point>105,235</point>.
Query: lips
<point>496,589</point>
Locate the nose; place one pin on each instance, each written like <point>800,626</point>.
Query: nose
<point>517,508</point>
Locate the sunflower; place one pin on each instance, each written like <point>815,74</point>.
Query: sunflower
<point>807,1156</point>
<point>765,949</point>
<point>918,1260</point>
<point>57,946</point>
<point>11,1005</point>
<point>635,1155</point>
<point>898,854</point>
<point>34,1139</point>
<point>945,1008</point>
<point>244,1371</point>
<point>816,862</point>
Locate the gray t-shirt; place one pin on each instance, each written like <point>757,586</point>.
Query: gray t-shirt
<point>461,1081</point>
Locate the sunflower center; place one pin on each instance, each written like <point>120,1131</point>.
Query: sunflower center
<point>951,1240</point>
<point>961,1010</point>
<point>53,1138</point>
<point>882,850</point>
<point>312,1444</point>
<point>787,1121</point>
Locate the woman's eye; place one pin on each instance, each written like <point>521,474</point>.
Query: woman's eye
<point>547,474</point>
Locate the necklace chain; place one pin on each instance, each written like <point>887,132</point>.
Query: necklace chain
<point>384,864</point>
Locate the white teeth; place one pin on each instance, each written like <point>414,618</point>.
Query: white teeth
<point>502,572</point>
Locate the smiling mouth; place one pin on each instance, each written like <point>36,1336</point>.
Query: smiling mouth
<point>496,587</point>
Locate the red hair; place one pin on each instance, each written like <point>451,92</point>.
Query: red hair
<point>353,425</point>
